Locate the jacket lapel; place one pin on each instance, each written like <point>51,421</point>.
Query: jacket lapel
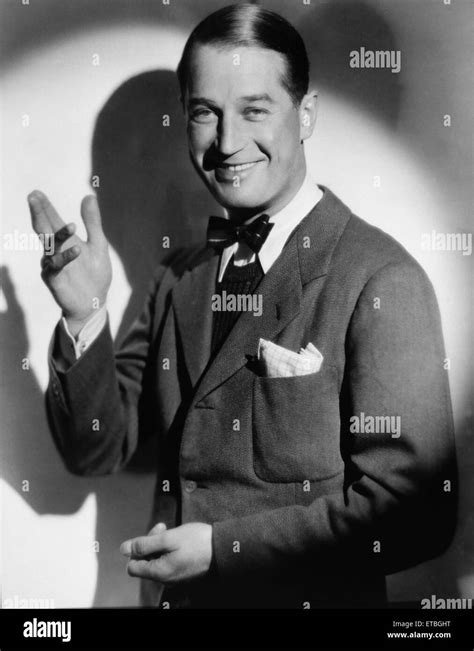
<point>192,297</point>
<point>281,293</point>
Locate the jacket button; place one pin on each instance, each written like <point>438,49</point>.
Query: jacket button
<point>190,486</point>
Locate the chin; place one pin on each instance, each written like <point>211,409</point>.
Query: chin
<point>238,198</point>
<point>242,203</point>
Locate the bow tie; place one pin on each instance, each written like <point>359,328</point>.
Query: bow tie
<point>222,232</point>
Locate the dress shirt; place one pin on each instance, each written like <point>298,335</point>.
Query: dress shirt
<point>285,221</point>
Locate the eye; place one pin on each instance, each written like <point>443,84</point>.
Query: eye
<point>203,115</point>
<point>254,113</point>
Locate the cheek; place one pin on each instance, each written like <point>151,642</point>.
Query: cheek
<point>200,139</point>
<point>280,140</point>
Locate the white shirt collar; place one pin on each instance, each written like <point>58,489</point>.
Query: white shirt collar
<point>285,222</point>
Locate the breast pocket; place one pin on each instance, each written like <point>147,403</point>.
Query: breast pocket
<point>296,427</point>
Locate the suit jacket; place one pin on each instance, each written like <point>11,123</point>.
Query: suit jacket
<point>303,508</point>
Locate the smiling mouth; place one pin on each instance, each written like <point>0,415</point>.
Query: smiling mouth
<point>238,168</point>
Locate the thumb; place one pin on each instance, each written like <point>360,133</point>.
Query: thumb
<point>158,528</point>
<point>92,221</point>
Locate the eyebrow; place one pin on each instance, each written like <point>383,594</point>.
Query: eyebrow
<point>193,101</point>
<point>264,97</point>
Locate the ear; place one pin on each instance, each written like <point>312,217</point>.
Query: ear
<point>308,112</point>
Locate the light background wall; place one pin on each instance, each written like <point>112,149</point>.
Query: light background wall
<point>371,123</point>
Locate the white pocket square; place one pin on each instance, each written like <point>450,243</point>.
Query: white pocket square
<point>277,361</point>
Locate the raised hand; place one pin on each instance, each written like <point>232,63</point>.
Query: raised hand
<point>77,273</point>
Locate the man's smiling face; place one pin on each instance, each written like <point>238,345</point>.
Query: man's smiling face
<point>243,128</point>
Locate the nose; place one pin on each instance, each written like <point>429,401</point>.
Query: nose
<point>230,138</point>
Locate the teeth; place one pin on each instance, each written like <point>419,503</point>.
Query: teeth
<point>240,168</point>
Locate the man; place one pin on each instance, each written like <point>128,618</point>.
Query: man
<point>305,449</point>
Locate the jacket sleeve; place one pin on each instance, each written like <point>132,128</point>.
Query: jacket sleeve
<point>398,506</point>
<point>94,406</point>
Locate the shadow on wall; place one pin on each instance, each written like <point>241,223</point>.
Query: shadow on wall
<point>148,191</point>
<point>151,200</point>
<point>144,170</point>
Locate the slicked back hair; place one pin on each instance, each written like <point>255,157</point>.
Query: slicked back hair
<point>251,26</point>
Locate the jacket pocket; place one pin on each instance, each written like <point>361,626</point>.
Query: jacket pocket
<point>296,427</point>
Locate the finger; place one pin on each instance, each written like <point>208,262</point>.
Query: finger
<point>8,289</point>
<point>62,235</point>
<point>91,216</point>
<point>39,220</point>
<point>145,545</point>
<point>52,264</point>
<point>6,285</point>
<point>161,526</point>
<point>44,217</point>
<point>156,570</point>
